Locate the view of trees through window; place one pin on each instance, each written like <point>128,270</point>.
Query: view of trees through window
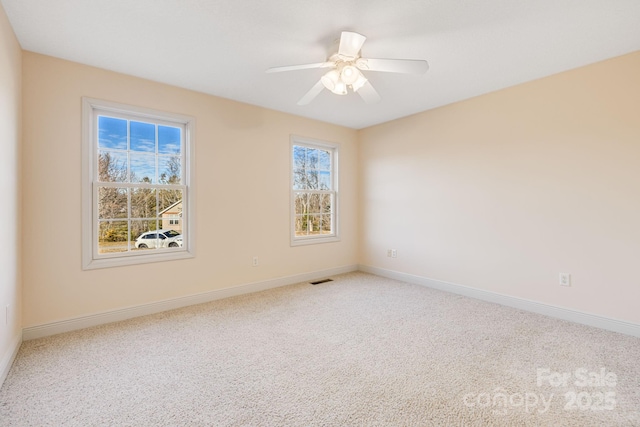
<point>313,192</point>
<point>139,185</point>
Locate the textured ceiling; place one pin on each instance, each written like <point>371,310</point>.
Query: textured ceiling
<point>223,47</point>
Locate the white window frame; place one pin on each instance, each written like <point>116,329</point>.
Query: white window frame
<point>334,150</point>
<point>91,259</point>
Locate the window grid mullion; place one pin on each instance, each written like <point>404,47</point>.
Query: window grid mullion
<point>139,185</point>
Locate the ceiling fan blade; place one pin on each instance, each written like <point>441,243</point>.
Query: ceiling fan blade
<point>408,66</point>
<point>313,92</point>
<point>301,67</point>
<point>368,93</point>
<point>350,44</point>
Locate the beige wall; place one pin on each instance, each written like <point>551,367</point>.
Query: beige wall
<point>505,191</point>
<point>10,109</point>
<point>242,195</point>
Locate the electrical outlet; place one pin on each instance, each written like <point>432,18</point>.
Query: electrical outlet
<point>394,253</point>
<point>254,262</point>
<point>565,279</point>
<point>389,253</point>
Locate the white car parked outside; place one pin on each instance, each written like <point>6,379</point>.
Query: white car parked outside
<point>159,239</point>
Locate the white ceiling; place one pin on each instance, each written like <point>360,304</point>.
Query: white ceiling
<point>223,47</point>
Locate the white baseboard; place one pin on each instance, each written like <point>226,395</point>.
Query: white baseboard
<point>9,357</point>
<point>575,316</point>
<point>73,324</point>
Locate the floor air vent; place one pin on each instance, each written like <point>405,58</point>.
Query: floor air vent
<point>317,282</point>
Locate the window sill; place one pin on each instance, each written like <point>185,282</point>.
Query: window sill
<point>314,240</point>
<point>135,260</point>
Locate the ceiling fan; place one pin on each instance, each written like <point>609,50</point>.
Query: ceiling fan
<point>346,68</point>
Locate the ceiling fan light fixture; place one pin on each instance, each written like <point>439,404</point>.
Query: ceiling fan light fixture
<point>331,80</point>
<point>360,81</point>
<point>340,88</point>
<point>346,67</point>
<point>349,74</point>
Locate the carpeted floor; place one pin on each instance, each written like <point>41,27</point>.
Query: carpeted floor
<point>361,350</point>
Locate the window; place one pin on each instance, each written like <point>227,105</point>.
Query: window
<point>314,195</point>
<point>137,168</point>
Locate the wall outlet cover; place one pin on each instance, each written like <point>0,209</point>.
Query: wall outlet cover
<point>565,279</point>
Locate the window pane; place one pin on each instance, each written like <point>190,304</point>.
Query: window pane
<point>324,180</point>
<point>143,168</point>
<point>143,203</point>
<point>313,224</point>
<point>138,230</point>
<point>299,179</point>
<point>112,203</point>
<point>324,159</point>
<point>112,166</point>
<point>143,137</point>
<point>327,204</point>
<point>300,226</point>
<point>326,224</point>
<point>113,236</point>
<point>299,154</point>
<point>312,158</point>
<point>312,180</point>
<point>169,169</point>
<point>306,224</point>
<point>112,133</point>
<point>301,203</point>
<point>170,209</point>
<point>167,199</point>
<point>169,140</point>
<point>140,226</point>
<point>314,203</point>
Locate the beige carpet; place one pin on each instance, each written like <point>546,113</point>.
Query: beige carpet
<point>361,351</point>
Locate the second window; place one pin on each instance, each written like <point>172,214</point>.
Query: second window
<point>314,191</point>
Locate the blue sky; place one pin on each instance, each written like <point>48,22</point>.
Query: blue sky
<point>147,140</point>
<point>314,162</point>
<point>112,133</point>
